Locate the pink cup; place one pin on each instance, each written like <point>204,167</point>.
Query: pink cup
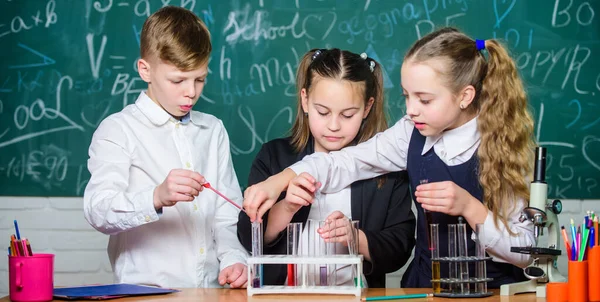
<point>31,278</point>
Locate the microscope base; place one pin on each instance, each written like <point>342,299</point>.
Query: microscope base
<point>530,286</point>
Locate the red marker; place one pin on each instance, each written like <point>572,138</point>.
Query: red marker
<point>207,185</point>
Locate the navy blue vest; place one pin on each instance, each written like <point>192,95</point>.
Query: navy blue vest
<point>430,167</point>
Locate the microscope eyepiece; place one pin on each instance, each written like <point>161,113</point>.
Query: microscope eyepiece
<point>539,172</point>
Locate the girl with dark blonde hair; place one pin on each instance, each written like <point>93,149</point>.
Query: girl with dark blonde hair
<point>340,103</point>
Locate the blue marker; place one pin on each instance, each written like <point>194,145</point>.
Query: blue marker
<point>17,230</point>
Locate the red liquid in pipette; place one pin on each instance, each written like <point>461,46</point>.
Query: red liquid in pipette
<point>207,185</point>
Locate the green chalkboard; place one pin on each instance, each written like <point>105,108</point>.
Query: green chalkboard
<point>67,64</point>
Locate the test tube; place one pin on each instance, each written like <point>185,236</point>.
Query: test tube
<point>331,250</point>
<point>257,242</point>
<point>481,271</point>
<point>435,255</point>
<point>463,266</point>
<point>428,216</point>
<point>323,251</point>
<point>313,243</point>
<point>294,230</point>
<point>319,201</point>
<point>452,271</point>
<point>353,249</point>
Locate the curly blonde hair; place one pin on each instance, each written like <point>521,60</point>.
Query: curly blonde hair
<point>506,150</point>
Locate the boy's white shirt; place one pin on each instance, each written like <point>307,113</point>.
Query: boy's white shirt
<point>388,152</point>
<point>132,152</point>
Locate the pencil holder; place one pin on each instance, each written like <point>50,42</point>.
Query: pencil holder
<point>594,273</point>
<point>557,292</point>
<point>578,281</point>
<point>31,278</point>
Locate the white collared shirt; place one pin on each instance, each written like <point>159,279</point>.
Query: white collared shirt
<point>131,153</point>
<point>387,152</point>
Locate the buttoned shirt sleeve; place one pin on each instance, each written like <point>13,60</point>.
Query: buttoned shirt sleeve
<point>385,152</point>
<point>108,206</point>
<point>498,240</point>
<point>229,248</point>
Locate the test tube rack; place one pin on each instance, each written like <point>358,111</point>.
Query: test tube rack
<point>353,260</point>
<point>459,281</point>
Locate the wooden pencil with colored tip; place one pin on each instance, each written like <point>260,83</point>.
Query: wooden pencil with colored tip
<point>583,243</point>
<point>573,233</point>
<point>596,230</point>
<point>386,298</point>
<point>563,231</point>
<point>28,247</point>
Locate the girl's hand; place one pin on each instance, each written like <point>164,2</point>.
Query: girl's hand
<point>259,198</point>
<point>444,197</point>
<point>300,192</point>
<point>337,229</point>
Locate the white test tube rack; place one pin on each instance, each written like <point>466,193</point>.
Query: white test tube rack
<point>353,260</point>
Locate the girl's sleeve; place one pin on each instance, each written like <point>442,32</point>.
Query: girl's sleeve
<point>498,240</point>
<point>385,152</point>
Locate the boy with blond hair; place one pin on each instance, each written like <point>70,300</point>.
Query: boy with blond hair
<point>144,190</point>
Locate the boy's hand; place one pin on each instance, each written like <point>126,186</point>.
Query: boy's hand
<point>300,192</point>
<point>236,275</point>
<point>180,185</point>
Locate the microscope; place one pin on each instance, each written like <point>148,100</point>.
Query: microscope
<point>543,214</point>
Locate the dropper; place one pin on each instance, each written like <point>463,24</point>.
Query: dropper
<point>207,185</point>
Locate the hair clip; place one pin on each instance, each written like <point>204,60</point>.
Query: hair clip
<point>363,56</point>
<point>372,65</point>
<point>316,54</point>
<point>480,44</point>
